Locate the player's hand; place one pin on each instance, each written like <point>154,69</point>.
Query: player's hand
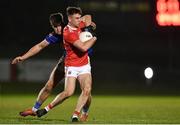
<point>95,38</point>
<point>17,60</point>
<point>89,29</point>
<point>93,25</point>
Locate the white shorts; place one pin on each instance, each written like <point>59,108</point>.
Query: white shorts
<point>76,71</point>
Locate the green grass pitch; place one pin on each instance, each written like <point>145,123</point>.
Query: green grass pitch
<point>104,110</point>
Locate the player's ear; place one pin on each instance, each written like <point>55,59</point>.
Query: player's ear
<point>69,18</point>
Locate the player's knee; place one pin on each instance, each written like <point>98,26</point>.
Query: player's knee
<point>68,93</point>
<point>87,91</point>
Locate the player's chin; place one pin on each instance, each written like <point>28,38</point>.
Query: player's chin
<point>59,32</point>
<point>77,25</point>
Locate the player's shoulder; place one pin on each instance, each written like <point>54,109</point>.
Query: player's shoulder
<point>53,37</point>
<point>52,34</point>
<point>68,31</point>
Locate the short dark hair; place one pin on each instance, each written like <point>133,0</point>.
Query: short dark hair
<point>73,10</point>
<point>56,19</point>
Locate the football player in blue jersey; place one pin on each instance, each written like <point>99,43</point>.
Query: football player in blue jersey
<point>57,74</point>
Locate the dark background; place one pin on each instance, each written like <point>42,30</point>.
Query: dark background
<point>129,40</point>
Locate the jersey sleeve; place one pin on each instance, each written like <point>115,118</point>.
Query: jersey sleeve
<point>82,24</point>
<point>51,38</point>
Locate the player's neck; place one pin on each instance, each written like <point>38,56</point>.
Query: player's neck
<point>72,26</point>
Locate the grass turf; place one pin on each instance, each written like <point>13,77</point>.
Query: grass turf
<point>104,110</point>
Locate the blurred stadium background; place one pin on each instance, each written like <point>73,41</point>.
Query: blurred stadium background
<point>130,38</point>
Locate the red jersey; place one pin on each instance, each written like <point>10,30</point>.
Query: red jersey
<point>74,57</point>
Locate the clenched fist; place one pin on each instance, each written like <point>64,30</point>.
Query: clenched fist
<point>17,60</point>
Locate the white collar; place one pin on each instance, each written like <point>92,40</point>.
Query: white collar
<point>72,28</point>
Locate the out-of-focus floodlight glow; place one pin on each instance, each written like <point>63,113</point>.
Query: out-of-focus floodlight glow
<point>148,72</point>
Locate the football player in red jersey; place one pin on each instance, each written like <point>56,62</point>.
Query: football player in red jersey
<point>77,65</point>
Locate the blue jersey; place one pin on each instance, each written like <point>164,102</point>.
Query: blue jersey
<point>55,38</point>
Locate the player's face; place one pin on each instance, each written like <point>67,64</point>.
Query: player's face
<point>75,20</point>
<point>58,29</point>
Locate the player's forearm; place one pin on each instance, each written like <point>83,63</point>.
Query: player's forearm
<point>88,44</point>
<point>33,51</point>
